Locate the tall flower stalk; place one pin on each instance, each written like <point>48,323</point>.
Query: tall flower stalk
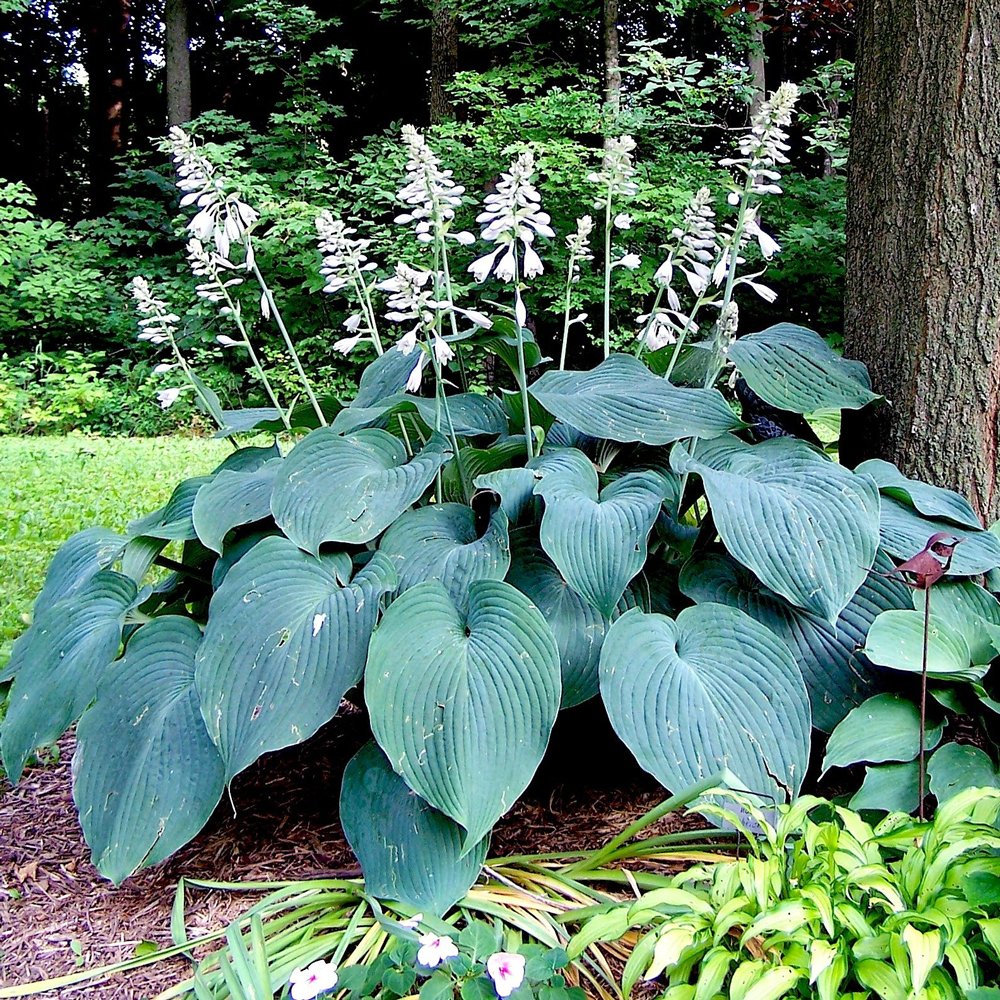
<point>511,219</point>
<point>615,180</point>
<point>224,219</point>
<point>578,244</point>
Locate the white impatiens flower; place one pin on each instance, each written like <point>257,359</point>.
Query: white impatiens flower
<point>167,397</point>
<point>223,218</point>
<point>308,983</point>
<point>512,215</point>
<point>507,972</point>
<point>434,950</point>
<point>430,194</point>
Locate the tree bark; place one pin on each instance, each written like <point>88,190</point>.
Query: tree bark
<point>757,58</point>
<point>177,55</point>
<point>922,305</point>
<point>612,59</point>
<point>444,58</point>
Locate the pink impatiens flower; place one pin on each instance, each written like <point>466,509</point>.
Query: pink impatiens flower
<point>310,982</point>
<point>507,972</point>
<point>434,950</point>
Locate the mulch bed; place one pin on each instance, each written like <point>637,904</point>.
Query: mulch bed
<point>58,914</point>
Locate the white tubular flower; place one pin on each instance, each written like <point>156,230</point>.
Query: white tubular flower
<point>210,264</point>
<point>167,397</point>
<point>222,219</point>
<point>413,383</point>
<point>765,145</point>
<point>411,296</point>
<point>617,171</point>
<point>344,258</point>
<point>158,325</point>
<point>578,244</point>
<point>657,329</point>
<point>513,214</point>
<point>768,245</point>
<point>430,194</point>
<point>442,352</point>
<point>630,261</point>
<point>623,221</point>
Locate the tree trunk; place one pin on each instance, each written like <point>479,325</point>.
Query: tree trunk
<point>177,56</point>
<point>106,28</point>
<point>922,303</point>
<point>612,60</point>
<point>444,58</point>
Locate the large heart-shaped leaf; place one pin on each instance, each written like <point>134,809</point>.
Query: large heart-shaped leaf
<point>578,627</point>
<point>807,527</point>
<point>477,462</point>
<point>931,501</point>
<point>596,539</point>
<point>146,777</point>
<point>172,522</point>
<point>463,702</point>
<point>884,728</point>
<point>472,414</point>
<point>905,532</point>
<point>232,499</point>
<point>623,400</point>
<point>711,690</point>
<point>956,766</point>
<point>837,674</point>
<point>969,609</point>
<point>284,641</point>
<point>349,489</point>
<point>889,788</point>
<point>58,662</point>
<point>896,639</point>
<point>795,369</point>
<point>408,850</point>
<point>78,560</point>
<point>443,542</point>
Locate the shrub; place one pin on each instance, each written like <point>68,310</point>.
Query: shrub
<point>479,561</point>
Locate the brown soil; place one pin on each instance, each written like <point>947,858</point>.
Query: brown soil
<point>58,914</point>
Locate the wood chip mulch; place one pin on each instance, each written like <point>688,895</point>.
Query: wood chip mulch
<point>57,914</point>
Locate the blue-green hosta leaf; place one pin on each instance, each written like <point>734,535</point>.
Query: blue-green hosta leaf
<point>884,728</point>
<point>896,640</point>
<point>146,777</point>
<point>442,542</point>
<point>578,627</point>
<point>78,560</point>
<point>836,672</point>
<point>472,414</point>
<point>172,522</point>
<point>478,462</point>
<point>515,487</point>
<point>931,501</point>
<point>232,499</point>
<point>350,489</point>
<point>247,459</point>
<point>795,369</point>
<point>807,527</point>
<point>905,532</point>
<point>597,539</point>
<point>889,788</point>
<point>285,640</point>
<point>955,767</point>
<point>710,690</point>
<point>58,663</point>
<point>623,400</point>
<point>408,850</point>
<point>463,702</point>
<point>969,609</point>
<point>385,376</point>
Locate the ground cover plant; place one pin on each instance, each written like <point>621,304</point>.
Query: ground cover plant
<point>664,530</point>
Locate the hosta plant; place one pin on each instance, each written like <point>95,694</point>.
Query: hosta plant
<point>663,531</point>
<point>825,905</point>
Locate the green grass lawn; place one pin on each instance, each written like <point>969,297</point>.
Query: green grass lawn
<point>52,487</point>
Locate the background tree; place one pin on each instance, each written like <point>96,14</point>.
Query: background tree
<point>923,256</point>
<point>177,59</point>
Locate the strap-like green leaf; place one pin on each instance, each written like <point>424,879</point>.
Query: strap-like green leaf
<point>146,777</point>
<point>463,702</point>
<point>710,690</point>
<point>284,641</point>
<point>597,540</point>
<point>408,850</point>
<point>836,672</point>
<point>442,542</point>
<point>623,400</point>
<point>58,663</point>
<point>795,369</point>
<point>349,489</point>
<point>807,527</point>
